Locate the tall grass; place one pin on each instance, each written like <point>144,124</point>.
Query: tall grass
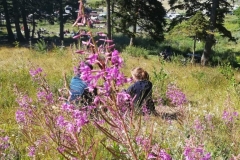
<point>208,92</point>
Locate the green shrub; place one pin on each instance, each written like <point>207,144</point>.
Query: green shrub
<point>40,46</point>
<point>136,51</point>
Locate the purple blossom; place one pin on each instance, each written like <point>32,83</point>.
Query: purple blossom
<point>145,112</point>
<point>44,96</point>
<point>192,153</point>
<point>107,87</point>
<point>208,118</point>
<point>198,126</point>
<point>92,59</point>
<point>123,101</point>
<point>70,127</point>
<point>79,51</point>
<point>176,96</point>
<point>106,40</point>
<point>96,100</point>
<point>122,97</point>
<point>60,149</point>
<point>228,117</point>
<point>49,98</point>
<point>35,72</point>
<point>121,79</point>
<point>41,95</point>
<point>4,143</point>
<point>102,34</point>
<point>158,153</point>
<point>81,119</point>
<point>67,107</point>
<point>112,73</point>
<point>60,121</point>
<point>164,156</point>
<point>31,151</point>
<point>100,74</point>
<point>24,102</point>
<point>143,142</point>
<point>116,59</point>
<point>20,116</point>
<point>152,156</point>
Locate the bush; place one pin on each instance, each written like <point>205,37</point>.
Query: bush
<point>136,51</point>
<point>40,46</point>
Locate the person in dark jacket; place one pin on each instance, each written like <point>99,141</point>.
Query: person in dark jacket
<point>141,90</point>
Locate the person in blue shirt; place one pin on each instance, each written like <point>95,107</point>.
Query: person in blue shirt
<point>141,90</point>
<point>79,91</point>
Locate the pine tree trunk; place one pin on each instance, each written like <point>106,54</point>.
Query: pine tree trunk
<point>61,20</point>
<point>112,19</point>
<point>33,24</point>
<point>210,38</point>
<point>8,23</point>
<point>194,48</point>
<point>16,20</point>
<point>25,24</point>
<point>131,41</point>
<point>135,18</point>
<point>109,20</point>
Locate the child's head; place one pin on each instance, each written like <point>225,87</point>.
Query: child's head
<point>81,66</point>
<point>139,74</point>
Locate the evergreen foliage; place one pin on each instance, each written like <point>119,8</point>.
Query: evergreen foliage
<point>215,10</point>
<point>237,13</point>
<point>141,16</point>
<point>196,27</point>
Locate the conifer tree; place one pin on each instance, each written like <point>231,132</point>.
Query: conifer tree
<point>215,10</point>
<point>134,15</point>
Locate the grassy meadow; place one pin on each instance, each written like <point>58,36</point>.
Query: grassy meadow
<point>208,90</point>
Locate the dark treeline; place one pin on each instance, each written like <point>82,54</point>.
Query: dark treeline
<point>148,16</point>
<point>25,12</point>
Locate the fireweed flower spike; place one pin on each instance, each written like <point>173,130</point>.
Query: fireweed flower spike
<point>80,51</point>
<point>31,151</point>
<point>77,36</point>
<point>34,72</point>
<point>193,151</point>
<point>229,117</point>
<point>4,143</point>
<point>175,95</point>
<point>106,40</point>
<point>102,34</point>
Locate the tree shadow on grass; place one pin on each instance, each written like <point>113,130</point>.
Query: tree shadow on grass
<point>227,56</point>
<point>122,41</point>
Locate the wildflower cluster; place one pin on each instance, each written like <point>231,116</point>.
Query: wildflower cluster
<point>229,117</point>
<point>4,145</point>
<point>7,150</point>
<point>194,151</point>
<point>175,95</point>
<point>158,153</point>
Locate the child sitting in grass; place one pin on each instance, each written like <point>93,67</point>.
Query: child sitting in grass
<point>141,90</point>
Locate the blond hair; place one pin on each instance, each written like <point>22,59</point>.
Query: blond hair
<point>139,74</point>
